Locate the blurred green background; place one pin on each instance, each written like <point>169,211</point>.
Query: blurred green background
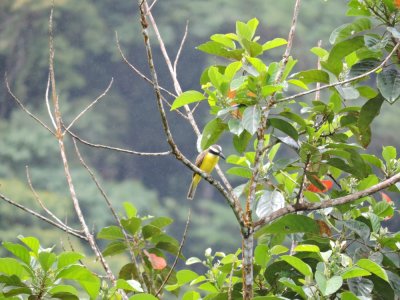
<point>86,59</point>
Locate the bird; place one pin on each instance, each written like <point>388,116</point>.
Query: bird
<point>206,161</point>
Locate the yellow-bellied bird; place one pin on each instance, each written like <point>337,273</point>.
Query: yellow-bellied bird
<point>206,161</point>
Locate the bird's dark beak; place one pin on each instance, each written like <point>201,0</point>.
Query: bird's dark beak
<point>222,155</point>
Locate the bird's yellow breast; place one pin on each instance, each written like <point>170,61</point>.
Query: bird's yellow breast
<point>207,165</point>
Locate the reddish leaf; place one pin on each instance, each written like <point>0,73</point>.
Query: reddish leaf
<point>324,229</point>
<point>326,183</point>
<point>157,262</point>
<point>385,196</point>
<point>231,94</point>
<point>397,3</point>
<point>251,94</point>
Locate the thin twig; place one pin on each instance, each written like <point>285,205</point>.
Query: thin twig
<point>181,47</point>
<point>90,105</point>
<point>318,85</point>
<point>344,81</point>
<point>327,203</point>
<point>111,208</point>
<point>136,70</point>
<point>177,255</point>
<point>24,108</point>
<point>37,198</point>
<point>48,103</point>
<point>43,218</point>
<point>100,146</point>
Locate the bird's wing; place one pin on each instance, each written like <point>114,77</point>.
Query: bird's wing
<point>199,159</point>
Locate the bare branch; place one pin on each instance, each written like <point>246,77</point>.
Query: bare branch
<point>181,46</point>
<point>90,105</point>
<point>48,103</point>
<point>136,70</point>
<point>318,85</point>
<point>24,108</point>
<point>111,208</point>
<point>328,203</point>
<point>43,218</point>
<point>116,148</point>
<point>177,255</point>
<point>344,81</point>
<point>235,205</point>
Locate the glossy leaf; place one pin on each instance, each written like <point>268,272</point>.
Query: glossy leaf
<point>373,267</point>
<point>290,224</point>
<point>68,258</point>
<point>388,83</point>
<point>298,264</point>
<point>110,233</point>
<point>31,242</point>
<point>251,119</point>
<point>211,132</point>
<point>277,42</point>
<point>312,76</point>
<point>284,126</point>
<point>11,266</point>
<point>269,202</point>
<point>18,250</point>
<point>143,296</point>
<point>131,225</point>
<point>187,98</point>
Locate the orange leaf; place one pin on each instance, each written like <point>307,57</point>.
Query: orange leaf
<point>326,183</point>
<point>397,3</point>
<point>157,262</point>
<point>251,94</point>
<point>324,229</point>
<point>385,196</point>
<point>231,94</point>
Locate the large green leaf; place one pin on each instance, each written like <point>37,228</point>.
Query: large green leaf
<point>11,266</point>
<point>19,251</point>
<point>298,264</point>
<point>251,118</point>
<point>215,48</point>
<point>143,297</point>
<point>373,267</point>
<point>328,286</point>
<point>110,233</point>
<point>186,98</point>
<point>31,242</point>
<point>277,42</point>
<point>46,260</point>
<point>346,30</point>
<point>340,51</point>
<point>369,111</point>
<point>241,142</point>
<point>131,225</point>
<point>284,126</point>
<point>290,224</point>
<point>84,277</point>
<point>312,76</point>
<point>211,132</point>
<point>388,83</point>
<point>68,258</point>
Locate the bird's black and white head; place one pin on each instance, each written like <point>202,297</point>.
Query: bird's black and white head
<point>216,150</point>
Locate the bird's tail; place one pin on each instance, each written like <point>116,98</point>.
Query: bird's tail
<point>192,190</point>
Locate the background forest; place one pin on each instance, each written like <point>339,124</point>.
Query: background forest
<point>87,58</point>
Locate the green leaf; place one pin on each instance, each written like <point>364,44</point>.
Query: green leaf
<point>290,284</point>
<point>388,83</point>
<point>235,126</point>
<point>185,276</point>
<point>231,70</point>
<point>11,266</point>
<point>218,49</point>
<point>306,248</point>
<point>63,289</point>
<point>312,76</point>
<point>383,209</point>
<point>251,118</point>
<point>224,40</point>
<point>277,42</point>
<point>284,126</point>
<point>149,231</point>
<point>239,171</point>
<point>131,225</point>
<point>68,258</point>
<point>19,251</point>
<point>186,98</point>
<point>114,248</point>
<point>340,51</point>
<point>241,142</point>
<point>298,264</point>
<point>369,111</point>
<point>261,256</point>
<point>31,242</point>
<point>89,282</point>
<point>346,30</point>
<point>288,67</point>
<point>130,209</point>
<point>372,267</point>
<point>358,227</point>
<point>353,272</point>
<point>328,286</point>
<point>143,296</point>
<point>161,222</point>
<point>362,67</point>
<point>191,295</point>
<point>389,153</point>
<point>110,233</point>
<point>129,285</point>
<point>348,296</point>
<point>270,201</point>
<point>46,260</point>
<point>211,132</point>
<point>290,224</point>
<point>394,32</point>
